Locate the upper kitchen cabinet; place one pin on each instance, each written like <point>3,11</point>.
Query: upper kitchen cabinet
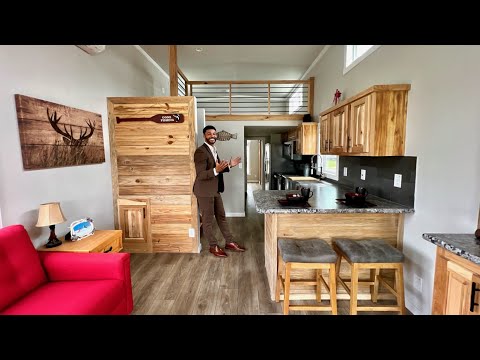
<point>307,138</point>
<point>371,123</point>
<point>292,135</point>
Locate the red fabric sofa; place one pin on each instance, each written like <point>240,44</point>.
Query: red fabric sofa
<point>55,283</point>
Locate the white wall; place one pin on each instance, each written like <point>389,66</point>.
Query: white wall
<point>66,75</point>
<point>234,195</point>
<point>443,124</point>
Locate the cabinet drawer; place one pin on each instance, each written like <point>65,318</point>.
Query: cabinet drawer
<point>112,245</point>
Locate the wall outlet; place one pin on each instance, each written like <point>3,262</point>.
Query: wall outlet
<point>363,174</point>
<point>397,180</point>
<point>240,165</point>
<point>417,282</point>
<point>345,171</point>
<point>163,91</point>
<point>191,232</point>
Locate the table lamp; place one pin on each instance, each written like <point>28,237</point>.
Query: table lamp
<point>48,215</point>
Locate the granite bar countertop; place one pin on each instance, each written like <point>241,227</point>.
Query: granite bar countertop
<point>464,245</point>
<point>323,201</point>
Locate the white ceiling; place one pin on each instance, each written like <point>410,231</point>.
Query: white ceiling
<point>239,62</point>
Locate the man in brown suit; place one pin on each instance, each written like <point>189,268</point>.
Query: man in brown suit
<point>207,188</point>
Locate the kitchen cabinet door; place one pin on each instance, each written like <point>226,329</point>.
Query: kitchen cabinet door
<point>459,289</point>
<point>307,138</point>
<point>325,134</point>
<point>338,133</point>
<point>359,126</point>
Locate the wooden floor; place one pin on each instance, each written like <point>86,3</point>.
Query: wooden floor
<point>180,284</point>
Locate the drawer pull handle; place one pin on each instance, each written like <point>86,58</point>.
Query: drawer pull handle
<point>472,297</point>
<point>109,249</point>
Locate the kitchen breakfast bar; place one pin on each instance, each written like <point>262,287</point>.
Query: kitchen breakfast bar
<point>327,219</point>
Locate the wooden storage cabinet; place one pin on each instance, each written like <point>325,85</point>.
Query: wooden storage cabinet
<point>307,134</point>
<point>456,286</point>
<point>371,123</point>
<point>102,241</point>
<point>292,135</point>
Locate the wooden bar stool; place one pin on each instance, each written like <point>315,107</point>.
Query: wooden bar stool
<point>374,255</point>
<point>306,254</point>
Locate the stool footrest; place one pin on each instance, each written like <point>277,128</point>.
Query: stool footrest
<point>310,308</point>
<point>389,288</point>
<point>379,308</point>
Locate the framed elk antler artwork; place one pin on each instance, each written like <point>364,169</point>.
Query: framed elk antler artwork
<point>54,135</point>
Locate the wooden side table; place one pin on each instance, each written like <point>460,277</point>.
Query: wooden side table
<point>101,241</point>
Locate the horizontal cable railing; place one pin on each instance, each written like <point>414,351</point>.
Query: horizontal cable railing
<point>269,99</point>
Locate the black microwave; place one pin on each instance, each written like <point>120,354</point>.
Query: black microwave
<point>290,150</point>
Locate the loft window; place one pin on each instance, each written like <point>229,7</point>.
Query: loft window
<point>354,54</point>
<point>295,101</point>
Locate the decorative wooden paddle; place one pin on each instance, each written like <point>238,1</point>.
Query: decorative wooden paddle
<point>159,119</point>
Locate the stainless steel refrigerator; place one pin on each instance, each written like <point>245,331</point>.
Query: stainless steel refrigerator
<point>267,167</point>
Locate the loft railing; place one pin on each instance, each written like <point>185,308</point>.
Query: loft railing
<point>182,83</point>
<point>252,100</point>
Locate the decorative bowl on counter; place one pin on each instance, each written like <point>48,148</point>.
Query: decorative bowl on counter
<point>295,199</point>
<point>353,198</point>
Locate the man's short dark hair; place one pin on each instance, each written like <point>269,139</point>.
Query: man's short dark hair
<point>208,127</point>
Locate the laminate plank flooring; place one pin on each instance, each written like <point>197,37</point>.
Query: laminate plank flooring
<point>202,284</point>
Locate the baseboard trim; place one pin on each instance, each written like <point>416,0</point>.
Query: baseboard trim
<point>240,214</point>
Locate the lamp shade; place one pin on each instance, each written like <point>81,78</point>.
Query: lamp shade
<point>50,214</point>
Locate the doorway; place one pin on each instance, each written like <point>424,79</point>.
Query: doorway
<point>254,161</point>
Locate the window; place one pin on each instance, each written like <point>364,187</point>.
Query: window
<point>329,164</point>
<point>295,101</point>
<point>354,54</point>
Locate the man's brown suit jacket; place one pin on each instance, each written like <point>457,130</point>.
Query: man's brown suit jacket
<point>207,184</point>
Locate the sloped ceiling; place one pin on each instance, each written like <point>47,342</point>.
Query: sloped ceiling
<point>239,62</point>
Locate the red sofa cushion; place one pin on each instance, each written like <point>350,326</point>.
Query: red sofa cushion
<point>98,297</point>
<point>21,270</point>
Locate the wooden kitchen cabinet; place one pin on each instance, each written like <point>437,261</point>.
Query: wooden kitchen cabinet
<point>456,285</point>
<point>371,123</point>
<point>307,134</point>
<point>292,135</point>
<point>333,131</point>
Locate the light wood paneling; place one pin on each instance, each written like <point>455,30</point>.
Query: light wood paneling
<point>228,117</point>
<point>153,180</point>
<point>154,162</point>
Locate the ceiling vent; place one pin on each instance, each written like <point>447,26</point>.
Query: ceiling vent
<point>92,49</point>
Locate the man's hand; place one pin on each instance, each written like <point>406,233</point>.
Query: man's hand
<point>221,166</point>
<point>236,161</point>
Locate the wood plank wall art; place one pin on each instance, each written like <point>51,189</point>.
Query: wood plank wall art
<point>152,142</point>
<point>54,135</point>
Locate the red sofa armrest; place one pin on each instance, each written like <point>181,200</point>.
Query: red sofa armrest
<point>91,266</point>
<point>63,266</point>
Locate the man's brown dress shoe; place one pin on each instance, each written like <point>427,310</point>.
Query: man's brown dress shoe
<point>218,251</point>
<point>234,246</point>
